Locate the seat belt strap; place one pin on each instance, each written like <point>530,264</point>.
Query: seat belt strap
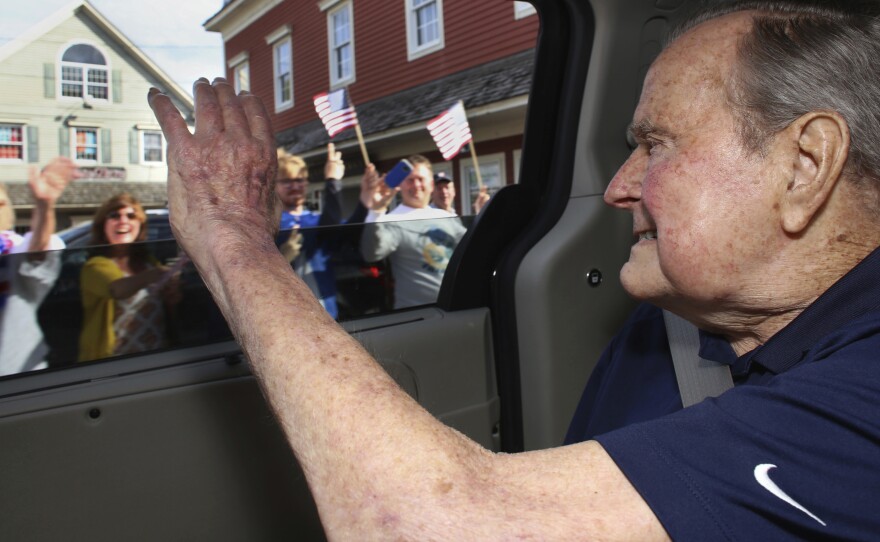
<point>697,378</point>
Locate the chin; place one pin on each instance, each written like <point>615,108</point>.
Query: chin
<point>642,284</point>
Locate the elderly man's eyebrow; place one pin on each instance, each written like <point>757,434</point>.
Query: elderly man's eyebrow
<point>640,130</point>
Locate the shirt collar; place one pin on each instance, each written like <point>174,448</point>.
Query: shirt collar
<point>855,294</point>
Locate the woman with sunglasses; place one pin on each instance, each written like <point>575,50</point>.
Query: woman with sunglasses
<point>124,289</point>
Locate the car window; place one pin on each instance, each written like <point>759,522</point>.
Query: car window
<point>356,270</point>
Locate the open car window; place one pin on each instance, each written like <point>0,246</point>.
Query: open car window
<point>357,270</point>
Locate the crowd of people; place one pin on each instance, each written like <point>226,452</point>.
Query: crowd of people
<point>128,296</point>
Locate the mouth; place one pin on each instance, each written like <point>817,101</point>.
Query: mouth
<point>650,235</point>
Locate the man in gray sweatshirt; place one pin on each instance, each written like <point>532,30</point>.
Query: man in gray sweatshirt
<point>417,239</point>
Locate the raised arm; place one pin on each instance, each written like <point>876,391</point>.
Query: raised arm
<point>378,465</point>
<point>46,186</point>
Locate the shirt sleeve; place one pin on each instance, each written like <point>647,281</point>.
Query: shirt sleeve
<point>379,240</point>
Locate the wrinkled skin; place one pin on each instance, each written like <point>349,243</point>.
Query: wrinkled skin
<point>233,139</point>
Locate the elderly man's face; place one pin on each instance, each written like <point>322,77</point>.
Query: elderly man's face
<point>703,208</point>
<point>444,195</point>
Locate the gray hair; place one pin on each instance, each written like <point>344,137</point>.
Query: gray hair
<point>802,56</point>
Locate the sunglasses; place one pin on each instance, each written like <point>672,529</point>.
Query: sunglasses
<point>116,215</point>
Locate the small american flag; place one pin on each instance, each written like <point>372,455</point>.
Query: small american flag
<point>336,111</point>
<point>451,131</point>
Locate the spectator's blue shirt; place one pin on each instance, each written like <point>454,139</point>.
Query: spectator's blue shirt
<point>791,453</point>
<point>313,264</point>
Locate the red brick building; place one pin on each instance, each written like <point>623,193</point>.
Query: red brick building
<point>403,62</point>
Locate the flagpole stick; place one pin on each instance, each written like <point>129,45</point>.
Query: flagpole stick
<point>476,165</point>
<point>360,135</point>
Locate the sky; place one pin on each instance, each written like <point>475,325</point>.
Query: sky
<point>170,32</point>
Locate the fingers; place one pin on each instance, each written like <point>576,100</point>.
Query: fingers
<point>208,113</point>
<point>331,152</point>
<point>235,121</point>
<point>169,118</point>
<point>257,117</point>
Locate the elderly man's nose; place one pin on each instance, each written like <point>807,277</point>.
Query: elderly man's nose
<point>626,187</point>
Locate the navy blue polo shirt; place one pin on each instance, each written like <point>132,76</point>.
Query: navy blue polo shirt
<point>792,452</point>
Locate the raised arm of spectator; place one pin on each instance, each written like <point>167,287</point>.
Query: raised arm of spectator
<point>376,196</point>
<point>378,465</point>
<point>334,171</point>
<point>46,187</point>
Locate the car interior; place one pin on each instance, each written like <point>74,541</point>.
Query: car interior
<point>179,443</point>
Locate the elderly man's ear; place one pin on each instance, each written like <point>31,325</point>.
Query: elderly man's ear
<point>822,143</point>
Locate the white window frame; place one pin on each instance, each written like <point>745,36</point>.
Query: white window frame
<point>278,40</point>
<point>240,65</point>
<point>415,50</point>
<point>468,180</point>
<point>142,147</point>
<point>73,145</point>
<point>335,80</point>
<point>521,10</point>
<point>517,159</point>
<point>84,80</point>
<point>22,143</point>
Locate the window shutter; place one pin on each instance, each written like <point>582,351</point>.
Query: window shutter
<point>117,86</point>
<point>133,150</point>
<point>49,80</point>
<point>64,141</point>
<point>106,147</point>
<point>33,144</point>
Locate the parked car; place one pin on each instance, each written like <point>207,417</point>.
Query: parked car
<point>179,444</point>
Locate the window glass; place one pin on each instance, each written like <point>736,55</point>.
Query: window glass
<point>84,73</point>
<point>83,54</point>
<point>341,45</point>
<point>86,144</point>
<point>424,27</point>
<point>11,142</point>
<point>427,22</point>
<point>523,9</point>
<point>492,175</point>
<point>154,146</point>
<point>242,77</point>
<point>363,280</point>
<point>283,74</point>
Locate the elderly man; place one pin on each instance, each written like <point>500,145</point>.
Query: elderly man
<point>443,196</point>
<point>760,229</point>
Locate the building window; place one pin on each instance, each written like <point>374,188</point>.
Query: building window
<point>492,173</point>
<point>85,144</point>
<point>340,29</point>
<point>283,69</point>
<point>424,27</point>
<point>11,142</point>
<point>522,9</point>
<point>241,77</point>
<point>84,73</point>
<point>152,147</point>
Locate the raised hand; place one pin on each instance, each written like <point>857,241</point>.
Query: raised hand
<point>375,194</point>
<point>481,200</point>
<point>221,177</point>
<point>48,184</point>
<point>335,167</point>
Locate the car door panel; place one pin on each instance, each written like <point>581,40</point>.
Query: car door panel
<point>191,450</point>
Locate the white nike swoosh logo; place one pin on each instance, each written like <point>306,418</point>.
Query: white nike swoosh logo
<point>762,475</point>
